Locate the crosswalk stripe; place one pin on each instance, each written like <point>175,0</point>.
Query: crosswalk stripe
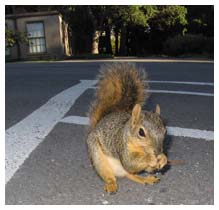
<point>173,131</point>
<point>26,135</point>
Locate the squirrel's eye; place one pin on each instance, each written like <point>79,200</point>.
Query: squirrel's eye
<point>141,132</point>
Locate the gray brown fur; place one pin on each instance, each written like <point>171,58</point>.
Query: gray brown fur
<point>115,145</point>
<point>120,86</point>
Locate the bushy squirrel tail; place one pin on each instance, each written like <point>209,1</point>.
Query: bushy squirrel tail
<point>120,86</point>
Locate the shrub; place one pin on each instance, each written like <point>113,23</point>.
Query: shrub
<point>189,44</point>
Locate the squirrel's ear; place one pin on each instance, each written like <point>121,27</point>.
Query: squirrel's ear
<point>157,109</point>
<point>136,113</point>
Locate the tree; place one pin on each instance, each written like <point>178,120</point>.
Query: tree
<point>80,27</point>
<point>97,15</point>
<point>11,38</point>
<point>167,22</point>
<point>14,37</point>
<point>138,29</point>
<point>169,18</point>
<point>200,19</point>
<point>106,18</point>
<point>123,16</point>
<point>87,22</point>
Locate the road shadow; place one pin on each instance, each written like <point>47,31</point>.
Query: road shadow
<point>166,147</point>
<point>167,144</point>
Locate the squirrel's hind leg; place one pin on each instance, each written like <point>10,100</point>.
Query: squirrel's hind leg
<point>102,167</point>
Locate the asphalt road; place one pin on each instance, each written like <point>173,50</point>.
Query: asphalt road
<point>54,168</point>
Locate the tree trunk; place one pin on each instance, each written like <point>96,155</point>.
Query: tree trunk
<point>116,42</point>
<point>95,42</point>
<point>108,40</point>
<point>96,30</point>
<point>123,47</point>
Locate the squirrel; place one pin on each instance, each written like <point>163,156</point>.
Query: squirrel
<point>124,140</point>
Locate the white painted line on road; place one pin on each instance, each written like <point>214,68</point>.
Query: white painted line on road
<point>192,133</point>
<point>173,131</point>
<point>176,92</point>
<point>23,137</point>
<point>178,82</point>
<point>75,120</point>
<point>181,92</point>
<point>181,82</point>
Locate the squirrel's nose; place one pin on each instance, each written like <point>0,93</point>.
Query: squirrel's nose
<point>158,149</point>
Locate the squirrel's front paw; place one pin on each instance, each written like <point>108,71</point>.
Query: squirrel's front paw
<point>151,180</point>
<point>161,160</point>
<point>110,187</point>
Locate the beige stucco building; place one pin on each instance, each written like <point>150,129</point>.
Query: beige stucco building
<point>47,35</point>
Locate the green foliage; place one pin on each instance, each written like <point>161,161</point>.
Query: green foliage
<point>166,21</point>
<point>135,14</point>
<point>11,38</point>
<point>200,19</point>
<point>168,17</point>
<point>189,44</point>
<point>139,29</point>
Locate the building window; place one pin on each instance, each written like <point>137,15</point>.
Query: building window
<point>36,37</point>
